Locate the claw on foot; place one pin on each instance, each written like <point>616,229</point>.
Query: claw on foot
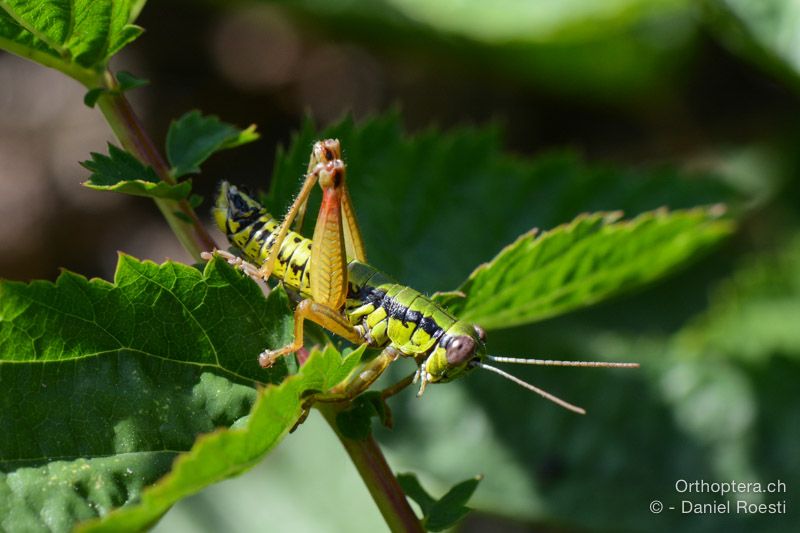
<point>267,358</point>
<point>424,377</point>
<point>236,262</point>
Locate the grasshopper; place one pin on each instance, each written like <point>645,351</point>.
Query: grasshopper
<point>341,292</point>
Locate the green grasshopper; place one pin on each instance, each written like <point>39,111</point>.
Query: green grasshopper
<point>340,291</point>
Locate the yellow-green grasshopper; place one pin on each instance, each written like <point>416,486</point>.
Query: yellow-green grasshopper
<point>340,291</point>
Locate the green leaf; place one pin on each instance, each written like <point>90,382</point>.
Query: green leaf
<point>76,37</point>
<point>590,259</point>
<point>193,138</point>
<point>195,201</point>
<point>105,385</point>
<point>753,315</point>
<point>414,490</point>
<point>457,211</point>
<point>451,507</point>
<point>226,453</point>
<point>128,81</point>
<point>92,95</point>
<point>311,462</point>
<point>120,171</point>
<point>446,512</point>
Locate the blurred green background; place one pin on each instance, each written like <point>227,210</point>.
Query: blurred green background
<point>653,89</point>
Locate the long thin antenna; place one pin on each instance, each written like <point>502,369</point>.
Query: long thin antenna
<point>537,390</point>
<point>552,362</point>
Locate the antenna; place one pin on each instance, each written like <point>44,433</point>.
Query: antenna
<point>555,362</point>
<point>537,390</point>
<point>546,362</point>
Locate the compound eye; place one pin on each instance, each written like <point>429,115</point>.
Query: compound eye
<point>481,333</point>
<point>460,350</point>
<point>330,150</point>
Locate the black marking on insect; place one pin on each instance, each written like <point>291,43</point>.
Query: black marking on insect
<point>430,326</point>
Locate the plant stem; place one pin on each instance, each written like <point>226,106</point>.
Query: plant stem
<point>128,129</point>
<point>378,477</point>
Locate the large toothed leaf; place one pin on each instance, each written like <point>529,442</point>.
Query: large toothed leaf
<point>120,172</point>
<point>77,37</point>
<point>434,205</point>
<point>429,214</point>
<point>193,138</point>
<point>105,384</point>
<point>577,264</point>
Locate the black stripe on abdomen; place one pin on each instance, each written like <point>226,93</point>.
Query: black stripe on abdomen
<point>398,311</point>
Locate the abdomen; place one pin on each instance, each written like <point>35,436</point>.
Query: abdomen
<point>393,313</point>
<point>254,237</point>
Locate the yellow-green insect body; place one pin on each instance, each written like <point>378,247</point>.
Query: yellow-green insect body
<point>383,312</point>
<point>341,292</point>
<point>411,322</point>
<point>251,229</point>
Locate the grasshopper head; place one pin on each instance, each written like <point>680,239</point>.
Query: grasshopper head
<point>452,357</point>
<point>462,348</point>
<point>324,152</point>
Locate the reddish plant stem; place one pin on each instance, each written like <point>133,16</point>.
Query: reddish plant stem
<point>128,129</point>
<point>139,143</point>
<point>378,477</point>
